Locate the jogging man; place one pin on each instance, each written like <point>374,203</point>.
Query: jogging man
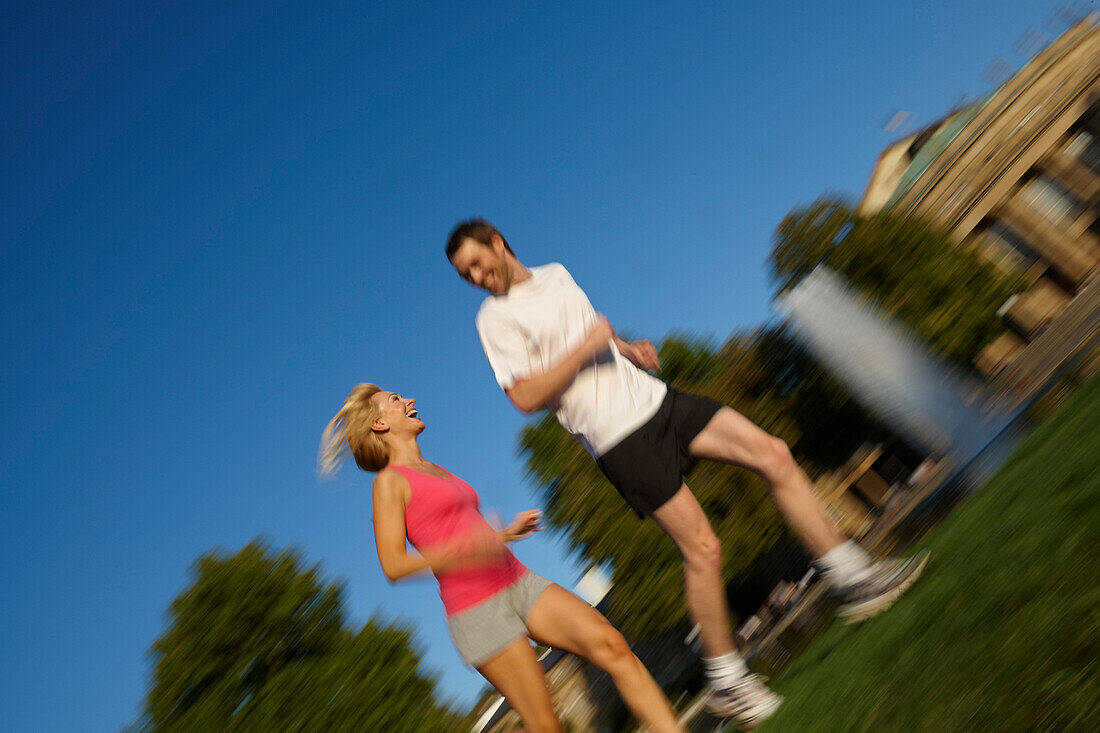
<point>549,348</point>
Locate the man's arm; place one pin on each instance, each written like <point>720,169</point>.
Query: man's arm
<point>643,354</point>
<point>534,392</point>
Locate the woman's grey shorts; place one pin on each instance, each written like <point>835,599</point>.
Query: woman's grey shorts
<point>482,631</point>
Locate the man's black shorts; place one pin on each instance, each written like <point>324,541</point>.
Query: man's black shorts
<point>648,466</point>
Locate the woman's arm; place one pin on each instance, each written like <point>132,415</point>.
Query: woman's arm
<point>525,523</point>
<point>390,497</point>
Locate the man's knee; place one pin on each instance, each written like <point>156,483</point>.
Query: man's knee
<point>775,462</point>
<point>704,551</point>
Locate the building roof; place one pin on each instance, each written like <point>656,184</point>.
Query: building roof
<point>903,162</point>
<point>924,154</point>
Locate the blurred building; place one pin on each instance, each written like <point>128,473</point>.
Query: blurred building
<point>1016,176</point>
<point>855,492</point>
<point>860,491</point>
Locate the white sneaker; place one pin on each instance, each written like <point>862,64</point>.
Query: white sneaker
<point>886,582</point>
<point>749,701</point>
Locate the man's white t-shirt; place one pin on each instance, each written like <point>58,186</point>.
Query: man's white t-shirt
<point>533,326</point>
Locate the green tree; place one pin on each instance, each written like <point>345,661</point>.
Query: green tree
<point>260,643</point>
<point>944,292</point>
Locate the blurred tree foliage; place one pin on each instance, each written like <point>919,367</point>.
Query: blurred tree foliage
<point>260,643</point>
<point>944,292</point>
<point>765,376</point>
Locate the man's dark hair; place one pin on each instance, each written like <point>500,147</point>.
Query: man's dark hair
<point>478,230</point>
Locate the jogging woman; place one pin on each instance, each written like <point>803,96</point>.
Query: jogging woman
<point>494,604</point>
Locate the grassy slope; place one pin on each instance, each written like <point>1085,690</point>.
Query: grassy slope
<point>1003,631</point>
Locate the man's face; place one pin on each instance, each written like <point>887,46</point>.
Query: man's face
<point>483,266</point>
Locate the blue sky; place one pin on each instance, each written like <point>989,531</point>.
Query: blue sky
<point>217,218</point>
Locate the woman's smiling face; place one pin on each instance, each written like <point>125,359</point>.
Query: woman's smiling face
<point>398,414</point>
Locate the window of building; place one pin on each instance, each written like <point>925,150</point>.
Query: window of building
<point>1008,247</point>
<point>1086,148</point>
<point>1052,200</point>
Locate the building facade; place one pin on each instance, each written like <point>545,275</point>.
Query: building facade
<point>1016,176</point>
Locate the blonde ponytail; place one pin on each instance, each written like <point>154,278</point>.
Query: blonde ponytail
<point>350,433</point>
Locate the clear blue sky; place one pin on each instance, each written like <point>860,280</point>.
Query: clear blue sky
<point>216,218</point>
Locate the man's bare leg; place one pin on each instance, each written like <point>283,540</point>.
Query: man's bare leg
<point>730,437</point>
<point>704,590</point>
<point>866,586</point>
<point>734,692</point>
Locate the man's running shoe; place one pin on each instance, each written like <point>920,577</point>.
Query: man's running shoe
<point>749,702</point>
<point>887,580</point>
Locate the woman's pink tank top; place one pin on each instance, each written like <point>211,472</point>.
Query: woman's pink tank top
<point>446,509</point>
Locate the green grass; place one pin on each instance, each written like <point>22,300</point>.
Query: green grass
<point>1003,631</point>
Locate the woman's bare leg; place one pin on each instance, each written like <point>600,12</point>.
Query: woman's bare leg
<point>563,621</point>
<point>516,673</point>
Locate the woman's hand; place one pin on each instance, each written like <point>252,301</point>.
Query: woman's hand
<point>525,524</point>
